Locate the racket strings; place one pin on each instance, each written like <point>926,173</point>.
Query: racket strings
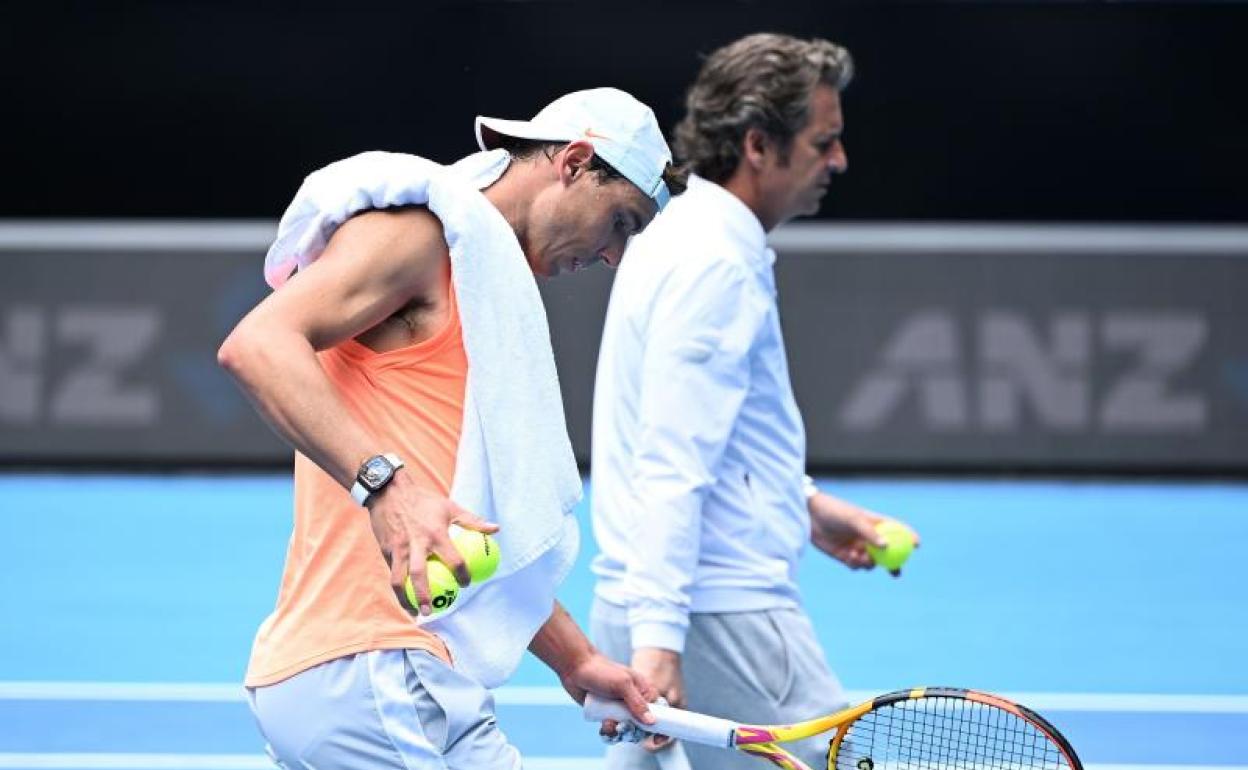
<point>939,733</point>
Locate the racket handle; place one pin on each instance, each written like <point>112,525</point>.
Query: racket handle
<point>680,724</point>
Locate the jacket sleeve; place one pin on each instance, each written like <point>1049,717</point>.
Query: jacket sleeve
<point>695,376</point>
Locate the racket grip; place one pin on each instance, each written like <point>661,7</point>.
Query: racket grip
<point>680,724</point>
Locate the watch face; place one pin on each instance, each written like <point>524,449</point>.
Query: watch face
<point>376,472</point>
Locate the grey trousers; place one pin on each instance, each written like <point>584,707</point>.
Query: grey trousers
<point>381,710</point>
<point>762,667</point>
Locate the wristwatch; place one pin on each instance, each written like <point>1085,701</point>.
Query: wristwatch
<point>375,473</point>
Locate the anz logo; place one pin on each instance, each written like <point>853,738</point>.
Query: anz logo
<point>1120,372</point>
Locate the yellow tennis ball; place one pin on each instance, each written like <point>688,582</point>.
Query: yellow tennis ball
<point>443,588</point>
<point>480,552</point>
<point>899,545</point>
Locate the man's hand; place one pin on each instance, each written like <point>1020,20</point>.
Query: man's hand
<point>662,668</point>
<point>411,524</point>
<point>602,676</point>
<point>561,644</point>
<point>842,530</point>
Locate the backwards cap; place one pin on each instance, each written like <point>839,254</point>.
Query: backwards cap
<point>622,130</point>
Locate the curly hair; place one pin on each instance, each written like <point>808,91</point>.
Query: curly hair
<point>676,178</point>
<point>762,81</point>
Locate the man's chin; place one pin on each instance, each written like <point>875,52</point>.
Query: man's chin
<point>813,208</point>
<point>809,211</point>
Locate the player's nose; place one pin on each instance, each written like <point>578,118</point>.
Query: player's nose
<point>611,256</point>
<point>838,159</point>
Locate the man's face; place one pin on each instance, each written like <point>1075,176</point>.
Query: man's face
<point>796,187</point>
<point>585,219</point>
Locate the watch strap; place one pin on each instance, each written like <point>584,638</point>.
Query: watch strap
<point>359,493</point>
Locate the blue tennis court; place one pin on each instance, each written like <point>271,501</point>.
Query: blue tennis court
<point>1119,610</point>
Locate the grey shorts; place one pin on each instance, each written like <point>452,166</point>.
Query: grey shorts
<point>762,667</point>
<point>386,709</point>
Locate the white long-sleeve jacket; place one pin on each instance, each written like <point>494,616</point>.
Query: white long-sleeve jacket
<point>698,445</point>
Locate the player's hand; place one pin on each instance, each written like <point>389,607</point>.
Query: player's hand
<point>842,530</point>
<point>662,668</point>
<point>411,524</point>
<point>604,677</point>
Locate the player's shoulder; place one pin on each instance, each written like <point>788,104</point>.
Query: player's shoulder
<point>410,230</point>
<point>404,245</point>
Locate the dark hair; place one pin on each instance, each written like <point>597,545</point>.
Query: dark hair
<point>762,81</point>
<point>676,179</point>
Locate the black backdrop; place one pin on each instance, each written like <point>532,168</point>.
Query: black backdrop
<point>1054,111</point>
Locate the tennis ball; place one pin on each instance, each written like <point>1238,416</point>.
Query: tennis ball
<point>443,588</point>
<point>480,552</point>
<point>899,545</point>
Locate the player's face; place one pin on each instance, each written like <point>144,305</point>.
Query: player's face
<point>587,220</point>
<point>796,187</point>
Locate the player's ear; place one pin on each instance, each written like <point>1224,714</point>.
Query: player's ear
<point>574,160</point>
<point>756,144</point>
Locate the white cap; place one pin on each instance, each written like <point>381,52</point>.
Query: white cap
<point>622,130</point>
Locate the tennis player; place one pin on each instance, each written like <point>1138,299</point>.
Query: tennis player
<point>406,303</point>
<point>701,507</point>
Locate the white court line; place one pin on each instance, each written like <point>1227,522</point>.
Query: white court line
<point>198,692</point>
<point>1115,702</point>
<point>1094,766</point>
<point>113,761</point>
<point>532,696</point>
<point>553,696</point>
<point>1171,704</point>
<point>118,761</point>
<point>122,691</point>
<point>137,761</point>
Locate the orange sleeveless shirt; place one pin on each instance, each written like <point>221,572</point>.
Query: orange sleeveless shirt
<point>335,597</point>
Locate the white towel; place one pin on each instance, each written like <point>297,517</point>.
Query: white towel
<point>514,464</point>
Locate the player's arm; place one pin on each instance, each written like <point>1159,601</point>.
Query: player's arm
<point>562,646</point>
<point>374,264</point>
<point>842,530</point>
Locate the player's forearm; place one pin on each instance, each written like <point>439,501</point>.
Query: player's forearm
<point>560,643</point>
<point>281,376</point>
<point>830,511</point>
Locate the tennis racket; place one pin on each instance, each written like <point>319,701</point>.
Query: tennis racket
<point>937,728</point>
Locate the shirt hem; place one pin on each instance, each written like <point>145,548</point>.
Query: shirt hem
<point>433,646</point>
<point>715,600</point>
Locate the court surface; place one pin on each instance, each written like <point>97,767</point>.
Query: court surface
<point>1119,610</point>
